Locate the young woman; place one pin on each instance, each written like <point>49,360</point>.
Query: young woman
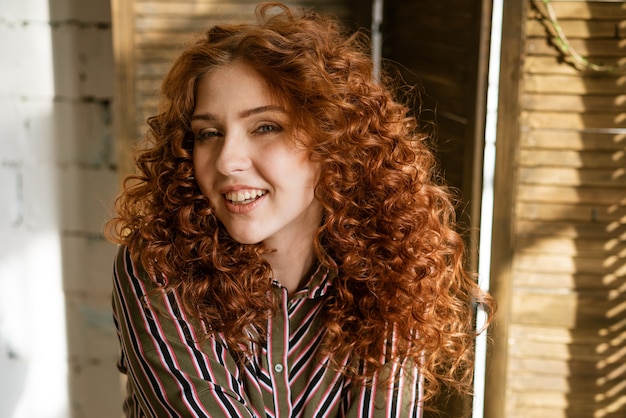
<point>286,248</point>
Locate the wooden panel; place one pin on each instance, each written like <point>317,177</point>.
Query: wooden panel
<point>441,47</point>
<point>570,240</point>
<point>499,395</point>
<point>126,132</point>
<point>438,46</point>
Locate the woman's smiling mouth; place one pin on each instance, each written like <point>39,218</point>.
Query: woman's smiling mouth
<point>244,197</point>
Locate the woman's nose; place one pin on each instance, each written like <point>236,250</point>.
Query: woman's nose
<point>234,155</point>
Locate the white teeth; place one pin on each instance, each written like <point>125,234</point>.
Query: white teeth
<point>245,196</point>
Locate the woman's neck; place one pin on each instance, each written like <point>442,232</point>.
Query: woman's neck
<point>291,264</point>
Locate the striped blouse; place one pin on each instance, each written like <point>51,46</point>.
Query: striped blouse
<point>174,372</point>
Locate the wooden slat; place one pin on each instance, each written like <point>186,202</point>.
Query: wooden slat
<point>244,6</point>
<point>525,411</point>
<point>567,176</point>
<point>149,86</point>
<point>550,381</point>
<point>564,264</point>
<point>525,348</point>
<point>195,9</point>
<point>569,247</point>
<point>572,230</point>
<point>153,70</point>
<point>613,160</point>
<point>568,310</point>
<point>239,11</point>
<point>608,10</point>
<point>552,404</point>
<point>555,212</point>
<point>541,366</point>
<point>575,103</point>
<point>554,64</point>
<point>564,281</point>
<point>578,121</point>
<point>557,335</point>
<point>594,48</point>
<point>575,404</point>
<point>151,27</point>
<point>581,29</point>
<point>570,140</point>
<point>609,84</point>
<point>158,54</point>
<point>572,195</point>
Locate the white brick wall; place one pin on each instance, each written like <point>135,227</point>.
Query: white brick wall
<point>57,180</point>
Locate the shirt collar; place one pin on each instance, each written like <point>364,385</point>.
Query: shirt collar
<point>318,284</point>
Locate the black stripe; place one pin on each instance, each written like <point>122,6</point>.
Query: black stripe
<point>305,328</point>
<point>304,395</point>
<point>305,358</point>
<point>394,402</point>
<point>330,398</point>
<point>189,338</point>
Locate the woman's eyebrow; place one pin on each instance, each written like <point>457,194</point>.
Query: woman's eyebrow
<point>202,116</point>
<point>261,109</point>
<point>243,114</point>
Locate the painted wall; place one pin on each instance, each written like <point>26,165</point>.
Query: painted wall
<point>57,179</point>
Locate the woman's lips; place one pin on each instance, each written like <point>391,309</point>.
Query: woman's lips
<point>244,200</point>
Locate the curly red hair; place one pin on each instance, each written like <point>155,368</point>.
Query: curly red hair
<point>388,225</point>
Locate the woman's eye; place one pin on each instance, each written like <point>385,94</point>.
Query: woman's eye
<point>207,134</point>
<point>268,128</point>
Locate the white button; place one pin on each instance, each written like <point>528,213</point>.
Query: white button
<point>278,368</point>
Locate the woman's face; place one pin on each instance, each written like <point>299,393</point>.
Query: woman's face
<point>258,181</point>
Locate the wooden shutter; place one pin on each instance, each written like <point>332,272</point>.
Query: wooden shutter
<point>566,305</point>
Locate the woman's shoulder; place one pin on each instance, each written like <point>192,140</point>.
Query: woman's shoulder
<point>128,266</point>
